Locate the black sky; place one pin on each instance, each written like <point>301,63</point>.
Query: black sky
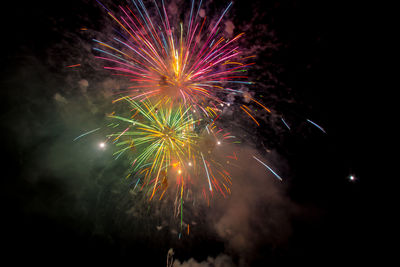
<point>320,58</point>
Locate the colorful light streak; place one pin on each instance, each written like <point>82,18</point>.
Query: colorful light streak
<point>269,168</point>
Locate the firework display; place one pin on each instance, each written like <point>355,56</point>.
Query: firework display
<point>185,133</point>
<point>180,76</point>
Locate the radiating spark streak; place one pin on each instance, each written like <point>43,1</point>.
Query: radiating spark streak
<point>181,205</point>
<point>205,167</point>
<point>92,131</point>
<point>284,122</point>
<point>121,152</point>
<point>102,5</point>
<point>249,115</point>
<point>261,105</point>
<point>136,183</point>
<point>274,173</point>
<point>72,66</point>
<point>316,125</point>
<point>116,139</point>
<point>232,90</point>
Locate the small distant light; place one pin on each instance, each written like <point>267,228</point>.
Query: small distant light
<point>219,142</point>
<point>102,145</point>
<point>190,164</point>
<point>352,178</point>
<point>179,171</point>
<point>228,104</point>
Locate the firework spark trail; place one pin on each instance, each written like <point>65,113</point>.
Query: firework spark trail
<point>316,125</point>
<point>269,168</point>
<point>92,131</point>
<point>246,110</point>
<point>284,122</point>
<point>208,176</point>
<point>73,66</point>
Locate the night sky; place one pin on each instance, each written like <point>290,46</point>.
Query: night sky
<point>66,202</point>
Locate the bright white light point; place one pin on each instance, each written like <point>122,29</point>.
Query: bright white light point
<point>229,105</point>
<point>102,145</point>
<point>190,164</point>
<point>219,142</point>
<point>179,171</point>
<point>352,178</point>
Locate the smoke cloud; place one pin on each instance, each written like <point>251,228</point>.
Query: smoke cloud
<point>220,261</point>
<point>258,213</point>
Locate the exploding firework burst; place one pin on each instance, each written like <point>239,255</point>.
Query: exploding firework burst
<point>191,64</point>
<point>162,136</point>
<point>171,151</point>
<point>167,142</point>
